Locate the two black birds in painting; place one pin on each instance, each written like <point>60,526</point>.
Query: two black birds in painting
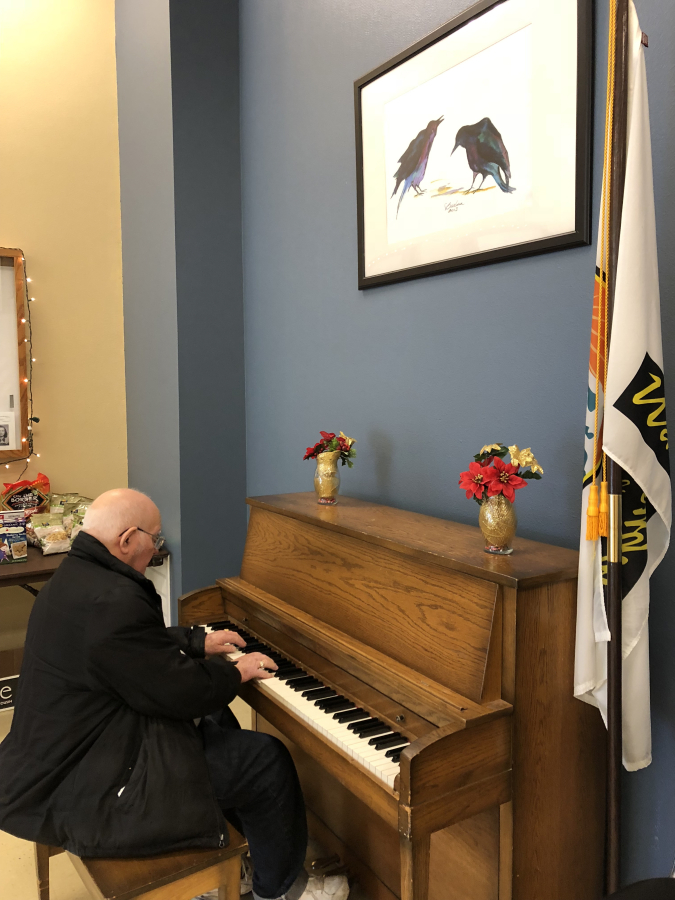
<point>485,153</point>
<point>413,163</point>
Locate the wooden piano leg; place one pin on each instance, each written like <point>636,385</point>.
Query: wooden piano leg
<point>415,868</point>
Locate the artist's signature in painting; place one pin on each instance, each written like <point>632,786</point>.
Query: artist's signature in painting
<point>453,206</point>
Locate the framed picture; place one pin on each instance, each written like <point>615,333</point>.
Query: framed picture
<point>474,145</point>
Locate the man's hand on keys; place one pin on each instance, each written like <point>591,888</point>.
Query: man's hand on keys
<point>250,666</point>
<point>223,642</point>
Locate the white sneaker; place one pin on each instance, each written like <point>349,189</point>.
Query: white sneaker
<point>326,887</point>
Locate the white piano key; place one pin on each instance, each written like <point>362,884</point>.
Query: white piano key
<point>322,721</point>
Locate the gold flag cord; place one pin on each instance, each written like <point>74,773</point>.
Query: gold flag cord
<point>597,515</point>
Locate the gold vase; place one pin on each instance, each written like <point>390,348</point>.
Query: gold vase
<point>327,478</point>
<point>497,520</point>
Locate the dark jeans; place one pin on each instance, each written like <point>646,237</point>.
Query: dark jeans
<point>256,784</point>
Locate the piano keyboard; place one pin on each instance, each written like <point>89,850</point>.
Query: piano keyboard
<point>369,741</point>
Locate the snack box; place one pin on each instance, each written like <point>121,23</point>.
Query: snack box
<point>13,543</point>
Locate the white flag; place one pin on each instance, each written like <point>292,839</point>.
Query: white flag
<point>632,427</point>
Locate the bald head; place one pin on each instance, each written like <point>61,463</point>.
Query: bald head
<point>124,520</point>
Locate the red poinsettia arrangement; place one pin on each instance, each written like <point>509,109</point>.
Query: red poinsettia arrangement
<point>330,442</point>
<point>489,475</point>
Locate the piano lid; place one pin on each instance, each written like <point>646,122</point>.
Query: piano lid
<point>449,544</point>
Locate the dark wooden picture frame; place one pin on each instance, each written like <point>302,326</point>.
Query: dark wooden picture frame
<point>581,233</point>
<point>7,456</point>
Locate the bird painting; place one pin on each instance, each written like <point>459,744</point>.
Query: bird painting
<point>485,153</point>
<point>413,163</point>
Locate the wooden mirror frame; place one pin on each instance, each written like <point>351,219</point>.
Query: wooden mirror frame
<point>21,316</point>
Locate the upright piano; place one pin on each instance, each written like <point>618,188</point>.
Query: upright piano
<point>426,698</point>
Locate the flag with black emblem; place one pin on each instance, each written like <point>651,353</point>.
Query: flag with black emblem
<point>626,418</point>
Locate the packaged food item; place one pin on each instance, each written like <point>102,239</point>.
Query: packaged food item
<point>68,504</point>
<point>50,532</point>
<point>42,520</point>
<point>13,544</point>
<point>63,502</point>
<point>27,497</point>
<point>77,517</point>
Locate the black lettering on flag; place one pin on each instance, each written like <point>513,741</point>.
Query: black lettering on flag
<point>636,511</point>
<point>644,403</point>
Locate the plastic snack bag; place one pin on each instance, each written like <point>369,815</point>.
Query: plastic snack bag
<point>77,517</point>
<point>50,532</point>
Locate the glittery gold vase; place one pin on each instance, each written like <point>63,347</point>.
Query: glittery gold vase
<point>497,520</point>
<point>327,478</point>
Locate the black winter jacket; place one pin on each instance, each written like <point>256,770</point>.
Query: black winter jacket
<point>103,757</point>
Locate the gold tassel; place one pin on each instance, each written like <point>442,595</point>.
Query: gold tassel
<point>603,518</point>
<point>592,524</point>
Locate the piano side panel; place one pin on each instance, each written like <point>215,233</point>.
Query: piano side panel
<point>201,606</point>
<point>464,858</point>
<point>392,602</point>
<point>559,757</point>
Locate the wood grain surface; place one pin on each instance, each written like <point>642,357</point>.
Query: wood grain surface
<point>393,603</point>
<point>194,870</point>
<point>454,759</point>
<point>401,718</point>
<point>505,771</point>
<point>459,547</point>
<point>427,696</point>
<point>464,858</point>
<point>559,758</point>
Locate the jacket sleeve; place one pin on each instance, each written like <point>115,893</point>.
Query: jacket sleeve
<point>129,653</point>
<point>189,640</point>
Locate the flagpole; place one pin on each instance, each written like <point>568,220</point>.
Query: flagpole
<point>614,594</point>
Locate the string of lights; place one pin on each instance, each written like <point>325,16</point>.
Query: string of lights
<point>28,439</point>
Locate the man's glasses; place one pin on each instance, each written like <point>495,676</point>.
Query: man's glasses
<point>157,539</point>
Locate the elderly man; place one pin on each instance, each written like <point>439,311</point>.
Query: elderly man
<point>104,757</point>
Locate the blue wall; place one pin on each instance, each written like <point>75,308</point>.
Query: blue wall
<point>149,259</point>
<point>178,88</point>
<point>424,373</point>
<point>207,182</point>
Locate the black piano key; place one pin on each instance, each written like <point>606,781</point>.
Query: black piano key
<point>375,729</point>
<point>325,699</point>
<point>351,715</point>
<point>255,648</point>
<point>332,704</point>
<point>348,707</point>
<point>299,684</point>
<point>394,753</point>
<point>292,673</point>
<point>319,693</point>
<point>382,742</point>
<point>364,723</point>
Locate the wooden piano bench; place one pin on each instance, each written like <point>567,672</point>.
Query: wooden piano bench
<point>176,876</point>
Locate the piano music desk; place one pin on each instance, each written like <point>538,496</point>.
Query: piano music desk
<point>500,794</point>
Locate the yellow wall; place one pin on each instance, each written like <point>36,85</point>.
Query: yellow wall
<point>60,202</point>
